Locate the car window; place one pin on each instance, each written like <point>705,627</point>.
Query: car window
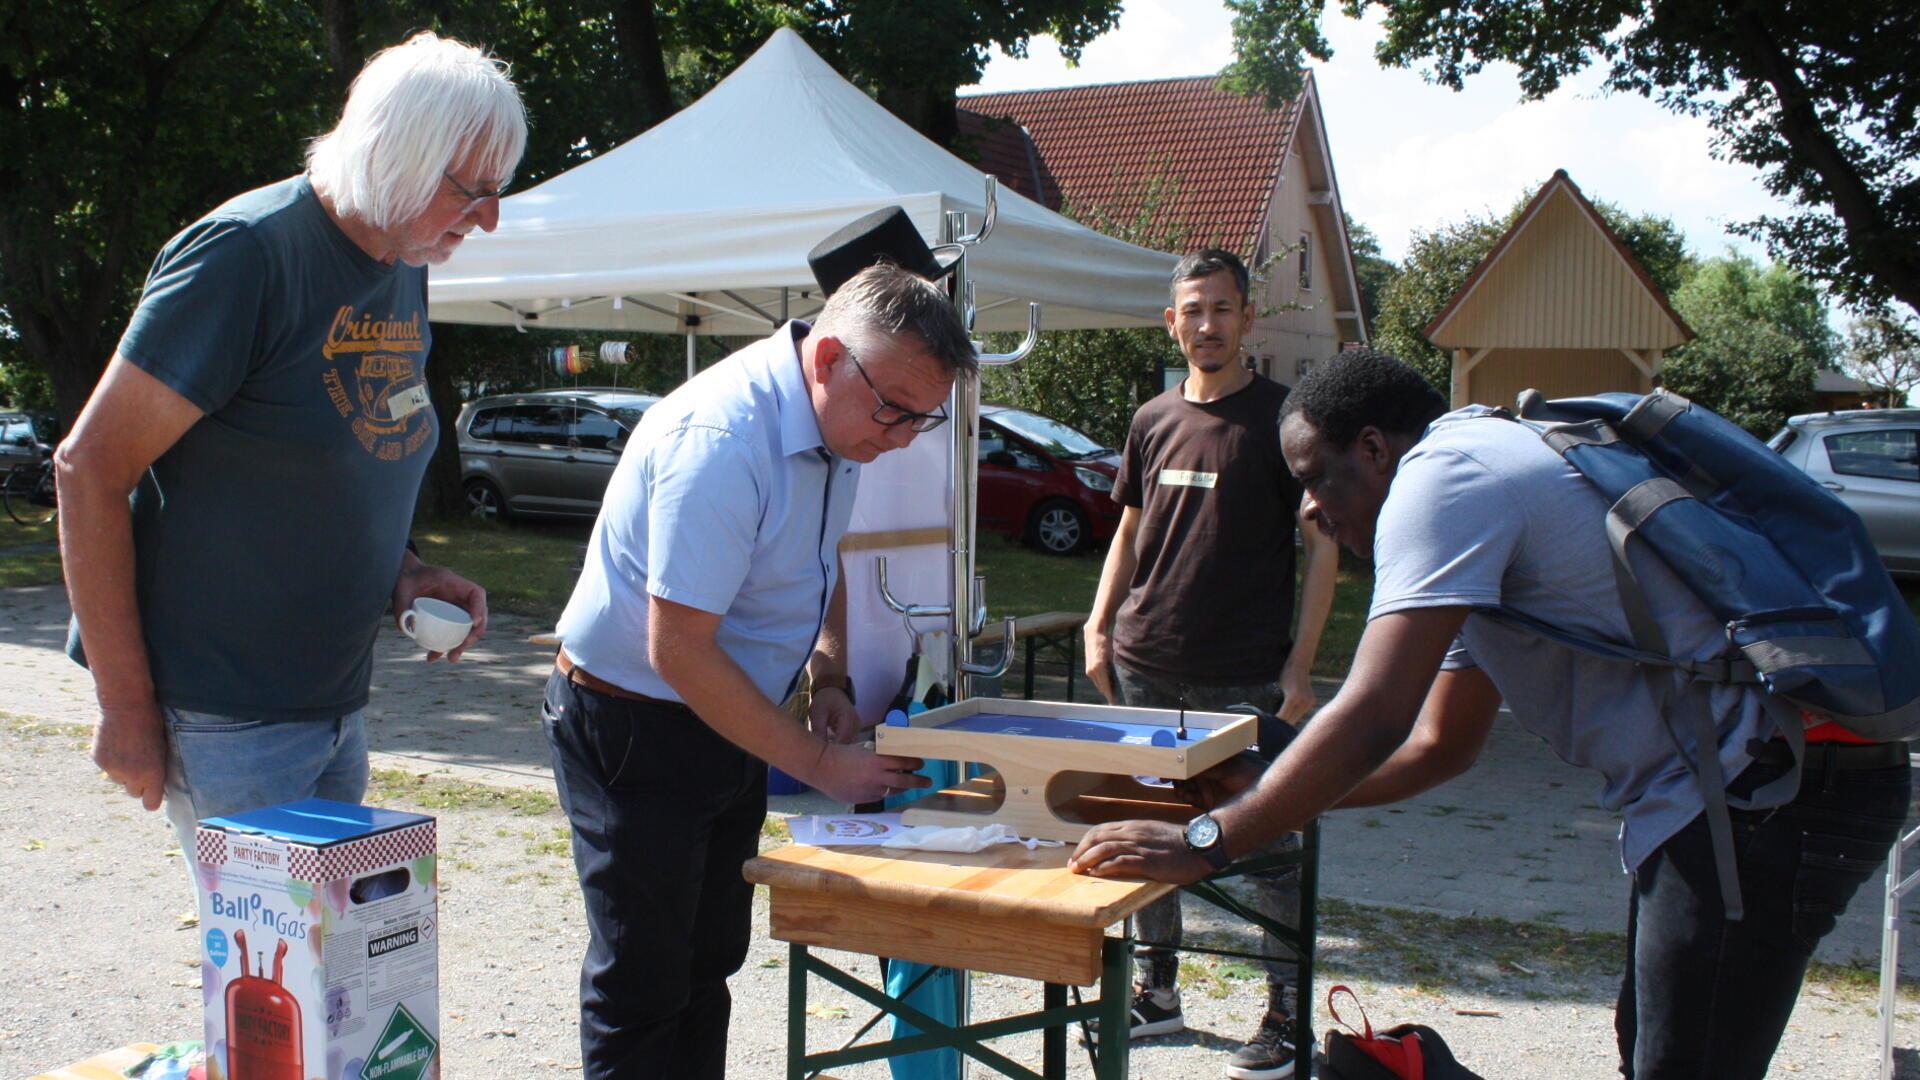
<point>991,441</point>
<point>545,425</point>
<point>593,429</point>
<point>1049,435</point>
<point>12,428</point>
<point>1890,455</point>
<point>482,425</point>
<point>629,415</point>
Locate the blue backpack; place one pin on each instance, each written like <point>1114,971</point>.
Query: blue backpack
<point>1811,613</point>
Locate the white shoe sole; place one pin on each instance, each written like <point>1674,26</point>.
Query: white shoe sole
<point>1280,1073</point>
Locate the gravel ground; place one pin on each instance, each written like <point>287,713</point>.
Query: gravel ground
<point>103,954</point>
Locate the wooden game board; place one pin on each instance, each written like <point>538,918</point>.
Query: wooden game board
<point>1045,755</point>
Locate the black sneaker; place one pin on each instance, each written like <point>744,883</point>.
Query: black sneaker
<point>1269,1054</point>
<point>1154,1012</point>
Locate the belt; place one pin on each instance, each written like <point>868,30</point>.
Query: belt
<point>580,676</point>
<point>1836,756</point>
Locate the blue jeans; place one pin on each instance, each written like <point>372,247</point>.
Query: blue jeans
<point>1158,927</point>
<point>1707,998</point>
<point>219,765</point>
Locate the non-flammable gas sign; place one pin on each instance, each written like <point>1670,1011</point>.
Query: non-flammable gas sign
<point>402,1052</point>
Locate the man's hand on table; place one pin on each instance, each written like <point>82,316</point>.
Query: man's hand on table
<point>418,579</point>
<point>852,774</point>
<point>1155,850</point>
<point>130,746</point>
<point>831,714</point>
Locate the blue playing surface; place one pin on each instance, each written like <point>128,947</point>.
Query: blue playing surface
<point>1063,727</point>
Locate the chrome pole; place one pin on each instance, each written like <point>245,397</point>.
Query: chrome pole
<point>963,406</point>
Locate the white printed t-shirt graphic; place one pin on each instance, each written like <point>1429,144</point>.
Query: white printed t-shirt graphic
<point>1188,478</point>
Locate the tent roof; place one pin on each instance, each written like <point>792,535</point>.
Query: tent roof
<point>712,212</point>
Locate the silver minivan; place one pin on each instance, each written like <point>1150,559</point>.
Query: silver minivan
<point>1871,459</point>
<point>550,452</point>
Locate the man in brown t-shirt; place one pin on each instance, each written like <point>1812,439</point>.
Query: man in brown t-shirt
<point>1201,578</point>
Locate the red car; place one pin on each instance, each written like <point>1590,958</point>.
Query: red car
<point>1044,481</point>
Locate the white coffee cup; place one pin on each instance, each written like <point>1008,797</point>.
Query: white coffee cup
<point>438,625</point>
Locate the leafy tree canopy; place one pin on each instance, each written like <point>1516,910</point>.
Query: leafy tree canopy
<point>1374,270</point>
<point>1884,353</point>
<point>1820,97</point>
<point>1762,340</point>
<point>127,119</point>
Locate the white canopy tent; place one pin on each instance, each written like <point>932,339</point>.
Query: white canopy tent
<point>712,213</point>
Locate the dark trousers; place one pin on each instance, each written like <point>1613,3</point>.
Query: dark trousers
<point>664,812</point>
<point>1159,927</point>
<point>1707,999</point>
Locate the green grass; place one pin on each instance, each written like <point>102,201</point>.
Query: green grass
<point>27,567</point>
<point>526,567</point>
<point>1021,581</point>
<point>397,786</point>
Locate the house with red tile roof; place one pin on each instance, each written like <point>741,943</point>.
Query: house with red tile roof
<point>1196,166</point>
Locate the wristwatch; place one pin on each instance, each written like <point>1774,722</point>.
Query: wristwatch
<point>1203,836</point>
<point>834,682</point>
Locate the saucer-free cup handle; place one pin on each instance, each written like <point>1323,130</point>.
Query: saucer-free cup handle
<point>406,622</point>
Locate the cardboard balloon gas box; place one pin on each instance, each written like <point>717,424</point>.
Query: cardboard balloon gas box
<point>319,926</point>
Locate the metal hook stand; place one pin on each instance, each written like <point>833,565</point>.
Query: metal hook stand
<point>966,613</point>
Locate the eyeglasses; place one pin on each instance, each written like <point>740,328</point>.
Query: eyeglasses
<point>475,198</point>
<point>891,415</point>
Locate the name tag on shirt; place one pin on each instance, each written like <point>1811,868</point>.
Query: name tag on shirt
<point>1188,478</point>
<point>405,403</point>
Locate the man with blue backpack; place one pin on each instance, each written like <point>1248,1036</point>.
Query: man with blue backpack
<point>1637,579</point>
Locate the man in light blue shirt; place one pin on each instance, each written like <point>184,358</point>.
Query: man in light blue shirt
<point>711,582</point>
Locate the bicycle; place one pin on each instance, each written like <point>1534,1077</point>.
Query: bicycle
<point>28,493</point>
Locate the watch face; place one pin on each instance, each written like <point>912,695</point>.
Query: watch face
<point>1203,831</point>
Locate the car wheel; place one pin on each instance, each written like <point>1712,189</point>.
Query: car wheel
<point>484,501</point>
<point>1058,528</point>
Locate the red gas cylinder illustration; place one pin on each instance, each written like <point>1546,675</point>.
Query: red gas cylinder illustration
<point>263,1022</point>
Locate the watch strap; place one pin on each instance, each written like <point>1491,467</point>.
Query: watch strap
<point>834,682</point>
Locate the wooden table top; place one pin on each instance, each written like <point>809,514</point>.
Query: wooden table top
<point>1003,881</point>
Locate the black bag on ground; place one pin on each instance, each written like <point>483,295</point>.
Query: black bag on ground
<point>1403,1052</point>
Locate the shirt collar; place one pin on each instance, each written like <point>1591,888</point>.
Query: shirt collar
<point>799,427</point>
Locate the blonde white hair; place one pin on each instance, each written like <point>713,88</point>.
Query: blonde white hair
<point>416,110</point>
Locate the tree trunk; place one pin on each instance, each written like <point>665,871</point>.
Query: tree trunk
<point>342,20</point>
<point>441,494</point>
<point>74,375</point>
<point>931,110</point>
<point>645,69</point>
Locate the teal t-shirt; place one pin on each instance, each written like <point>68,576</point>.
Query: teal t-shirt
<point>267,540</point>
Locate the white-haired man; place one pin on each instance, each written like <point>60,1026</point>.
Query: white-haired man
<point>266,411</point>
<point>711,581</point>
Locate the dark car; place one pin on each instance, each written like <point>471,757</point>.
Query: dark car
<point>550,452</point>
<point>1044,481</point>
<point>1871,459</point>
<point>25,439</point>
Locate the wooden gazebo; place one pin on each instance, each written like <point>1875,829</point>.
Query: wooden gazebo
<point>1560,306</point>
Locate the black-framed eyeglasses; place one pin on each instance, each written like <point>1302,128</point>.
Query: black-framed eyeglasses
<point>892,415</point>
<point>475,198</point>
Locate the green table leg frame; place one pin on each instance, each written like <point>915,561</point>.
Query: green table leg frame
<point>1110,1010</point>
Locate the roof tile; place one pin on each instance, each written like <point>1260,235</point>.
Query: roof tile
<point>1098,150</point>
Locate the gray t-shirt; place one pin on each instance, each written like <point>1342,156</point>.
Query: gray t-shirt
<point>1484,514</point>
<point>266,541</point>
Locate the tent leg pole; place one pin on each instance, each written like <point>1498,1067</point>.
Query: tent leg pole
<point>690,355</point>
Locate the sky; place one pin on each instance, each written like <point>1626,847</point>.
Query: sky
<point>1409,155</point>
